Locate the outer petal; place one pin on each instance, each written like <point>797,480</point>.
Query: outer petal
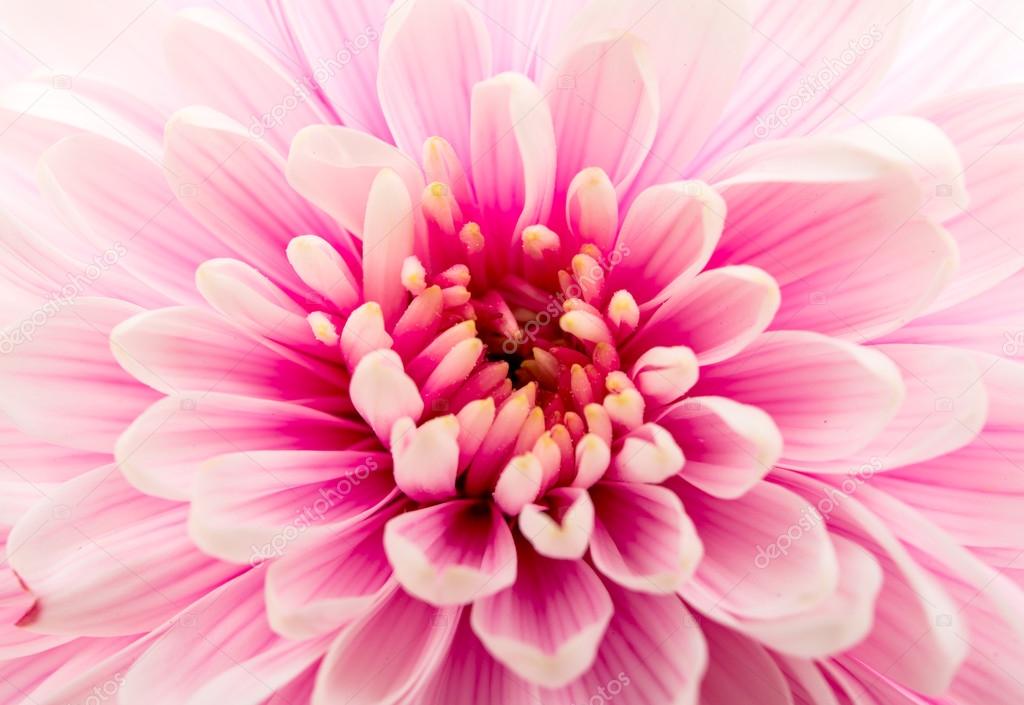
<point>326,581</point>
<point>697,48</point>
<point>808,64</point>
<point>220,634</point>
<point>162,449</point>
<point>323,156</point>
<point>904,641</point>
<point>717,314</point>
<point>653,652</point>
<point>104,559</point>
<point>469,675</point>
<point>826,218</point>
<point>250,506</point>
<point>547,627</point>
<point>740,672</point>
<point>382,656</point>
<point>944,409</point>
<point>421,99</point>
<point>767,554</point>
<point>207,50</point>
<point>343,50</point>
<point>65,386</point>
<point>235,184</point>
<point>163,244</point>
<point>192,349</point>
<point>828,397</point>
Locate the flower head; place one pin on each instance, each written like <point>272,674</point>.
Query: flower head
<point>523,352</point>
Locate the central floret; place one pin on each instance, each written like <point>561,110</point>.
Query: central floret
<point>504,374</point>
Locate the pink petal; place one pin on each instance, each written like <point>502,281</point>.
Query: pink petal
<point>469,676</point>
<point>207,50</point>
<point>697,50</point>
<point>829,398</point>
<point>346,72</point>
<point>518,626</point>
<point>740,671</point>
<point>251,506</point>
<point>421,99</point>
<point>562,526</point>
<point>224,630</point>
<point>604,103</point>
<point>235,185</point>
<point>104,559</point>
<point>653,652</point>
<point>382,393</point>
<point>382,656</point>
<point>904,641</point>
<point>64,385</point>
<point>974,492</point>
<point>512,149</point>
<point>817,40</point>
<point>643,539</point>
<point>323,270</point>
<point>452,553</point>
<point>388,236</point>
<point>161,450</point>
<point>667,236</point>
<point>825,217</point>
<point>944,409</point>
<point>985,229</point>
<point>753,566</point>
<point>166,243</point>
<point>192,349</point>
<point>840,622</point>
<point>323,156</point>
<point>717,314</point>
<point>592,208</point>
<point>328,580</point>
<point>728,446</point>
<point>251,301</point>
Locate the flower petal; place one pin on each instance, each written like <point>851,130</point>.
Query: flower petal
<point>828,397</point>
<point>64,385</point>
<point>547,627</point>
<point>162,449</point>
<point>753,565</point>
<point>604,103</point>
<point>383,655</point>
<point>643,539</point>
<point>452,553</point>
<point>422,99</point>
<point>250,506</point>
<point>728,446</point>
<point>512,149</point>
<point>104,559</point>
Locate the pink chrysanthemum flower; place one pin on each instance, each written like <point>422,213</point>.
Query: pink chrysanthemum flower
<point>511,352</point>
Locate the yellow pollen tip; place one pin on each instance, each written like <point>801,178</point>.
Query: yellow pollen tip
<point>438,190</point>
